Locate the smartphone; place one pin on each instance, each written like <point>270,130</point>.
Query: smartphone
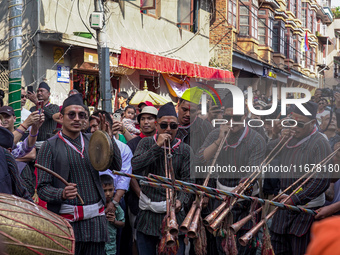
<point>30,89</point>
<point>117,116</point>
<point>40,106</point>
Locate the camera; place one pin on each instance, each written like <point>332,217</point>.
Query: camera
<point>327,92</point>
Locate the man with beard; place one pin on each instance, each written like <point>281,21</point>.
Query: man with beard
<point>290,231</point>
<point>43,94</point>
<point>193,131</point>
<point>149,158</point>
<point>243,147</point>
<point>190,125</point>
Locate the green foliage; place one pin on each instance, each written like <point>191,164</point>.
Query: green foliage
<point>336,12</point>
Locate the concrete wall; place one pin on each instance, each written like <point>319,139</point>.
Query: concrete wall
<point>125,26</point>
<point>129,28</point>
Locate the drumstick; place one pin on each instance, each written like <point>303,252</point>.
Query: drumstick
<point>58,177</point>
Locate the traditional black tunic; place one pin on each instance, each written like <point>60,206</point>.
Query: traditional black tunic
<point>61,158</point>
<point>149,158</point>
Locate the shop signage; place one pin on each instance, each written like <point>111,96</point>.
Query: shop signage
<point>63,74</point>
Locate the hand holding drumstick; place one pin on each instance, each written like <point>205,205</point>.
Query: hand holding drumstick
<point>70,191</point>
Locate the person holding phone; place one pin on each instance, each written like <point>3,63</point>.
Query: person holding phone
<point>43,94</point>
<point>24,112</point>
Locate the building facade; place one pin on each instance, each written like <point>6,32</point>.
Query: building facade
<point>60,47</point>
<point>267,41</point>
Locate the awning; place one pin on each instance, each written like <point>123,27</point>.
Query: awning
<point>135,59</point>
<point>301,78</point>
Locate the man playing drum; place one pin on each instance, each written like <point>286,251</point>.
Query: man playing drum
<point>67,154</point>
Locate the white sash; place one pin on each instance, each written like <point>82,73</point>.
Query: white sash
<point>75,213</point>
<point>145,204</point>
<point>255,192</point>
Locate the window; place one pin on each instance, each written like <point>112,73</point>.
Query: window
<point>313,57</point>
<point>310,19</point>
<point>187,14</point>
<point>262,31</point>
<point>279,37</point>
<point>155,12</point>
<point>298,9</point>
<point>304,14</point>
<point>254,22</point>
<point>296,47</point>
<point>303,59</point>
<point>248,18</point>
<point>244,21</point>
<point>232,13</point>
<point>147,4</point>
<point>286,43</point>
<point>292,6</point>
<point>270,31</point>
<point>308,58</point>
<point>276,38</point>
<point>265,27</point>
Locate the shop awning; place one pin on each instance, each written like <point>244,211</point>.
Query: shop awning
<point>135,59</point>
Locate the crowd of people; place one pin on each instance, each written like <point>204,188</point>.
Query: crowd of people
<point>120,216</point>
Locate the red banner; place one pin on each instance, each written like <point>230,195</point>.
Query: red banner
<point>135,59</point>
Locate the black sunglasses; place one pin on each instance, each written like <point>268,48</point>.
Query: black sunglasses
<point>23,96</point>
<point>234,117</point>
<point>72,115</point>
<point>299,124</point>
<point>165,125</point>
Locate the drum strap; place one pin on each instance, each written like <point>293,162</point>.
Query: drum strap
<point>77,212</point>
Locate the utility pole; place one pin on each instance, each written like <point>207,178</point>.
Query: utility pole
<point>104,62</point>
<point>15,56</point>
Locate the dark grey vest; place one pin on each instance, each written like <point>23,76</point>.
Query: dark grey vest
<point>61,167</point>
<point>5,177</point>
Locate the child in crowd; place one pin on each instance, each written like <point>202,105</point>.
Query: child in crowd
<point>128,122</point>
<point>115,220</point>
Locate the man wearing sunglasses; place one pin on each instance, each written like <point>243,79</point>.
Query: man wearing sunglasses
<point>243,147</point>
<point>149,158</point>
<point>306,146</point>
<point>67,154</point>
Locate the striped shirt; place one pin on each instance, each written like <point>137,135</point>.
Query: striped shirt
<point>250,152</point>
<point>149,158</point>
<point>310,152</point>
<point>195,134</point>
<point>29,179</point>
<point>49,124</point>
<point>18,186</point>
<point>91,230</point>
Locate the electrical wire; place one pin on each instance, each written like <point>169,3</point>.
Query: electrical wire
<point>280,38</point>
<point>85,23</point>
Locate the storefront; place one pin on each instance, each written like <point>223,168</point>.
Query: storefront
<point>85,75</point>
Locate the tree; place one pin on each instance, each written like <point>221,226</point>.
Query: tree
<point>336,12</point>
